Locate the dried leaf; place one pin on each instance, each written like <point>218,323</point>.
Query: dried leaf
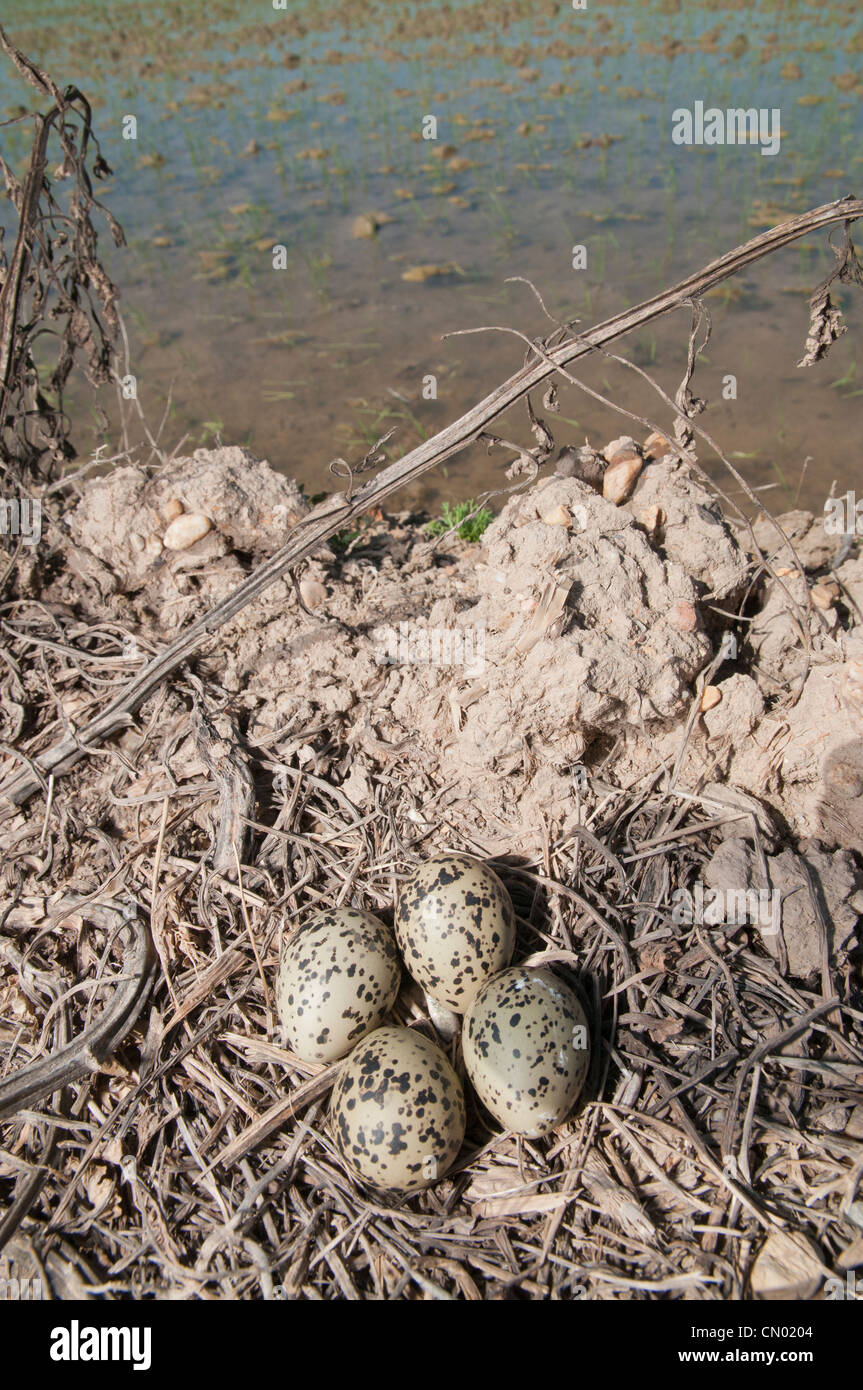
<point>825,319</point>
<point>825,326</point>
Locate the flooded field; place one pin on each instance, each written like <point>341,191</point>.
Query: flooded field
<point>303,128</point>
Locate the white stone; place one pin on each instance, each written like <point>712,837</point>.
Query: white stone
<point>185,530</point>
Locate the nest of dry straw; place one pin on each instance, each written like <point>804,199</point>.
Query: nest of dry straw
<point>193,1157</point>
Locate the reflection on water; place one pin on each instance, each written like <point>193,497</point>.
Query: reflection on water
<point>303,128</point>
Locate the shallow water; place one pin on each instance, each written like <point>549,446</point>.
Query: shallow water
<point>564,118</point>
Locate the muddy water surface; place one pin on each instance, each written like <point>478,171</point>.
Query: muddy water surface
<point>259,127</point>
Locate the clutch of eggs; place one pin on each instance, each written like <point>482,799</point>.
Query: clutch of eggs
<point>526,1049</point>
<point>455,926</point>
<point>397,1110</point>
<point>338,978</point>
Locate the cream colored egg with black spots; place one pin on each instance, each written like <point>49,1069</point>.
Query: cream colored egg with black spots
<point>526,1045</point>
<point>455,926</point>
<point>338,979</point>
<point>397,1111</point>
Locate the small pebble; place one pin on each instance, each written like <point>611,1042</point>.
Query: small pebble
<point>312,592</point>
<point>710,696</point>
<point>584,463</point>
<point>559,516</point>
<point>651,519</point>
<point>136,541</point>
<point>620,477</point>
<point>153,546</point>
<point>656,446</point>
<point>365,226</point>
<point>825,594</point>
<point>185,530</point>
<point>172,509</point>
<point>683,616</point>
<point>419,273</point>
<point>619,448</point>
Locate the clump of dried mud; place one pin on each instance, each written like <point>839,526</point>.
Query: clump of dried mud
<point>570,639</point>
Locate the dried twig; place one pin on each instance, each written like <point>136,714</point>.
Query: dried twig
<point>89,1050</point>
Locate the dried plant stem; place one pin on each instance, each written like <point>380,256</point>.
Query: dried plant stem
<point>85,1053</point>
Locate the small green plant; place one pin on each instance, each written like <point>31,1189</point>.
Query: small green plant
<point>470,528</point>
<point>342,539</point>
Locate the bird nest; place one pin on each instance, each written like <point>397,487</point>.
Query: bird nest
<point>159,1140</point>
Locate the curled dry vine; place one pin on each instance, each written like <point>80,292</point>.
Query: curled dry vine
<point>53,284</point>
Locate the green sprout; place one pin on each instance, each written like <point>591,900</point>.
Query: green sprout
<point>470,528</point>
<point>340,540</point>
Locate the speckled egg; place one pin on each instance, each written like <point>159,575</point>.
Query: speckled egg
<point>397,1110</point>
<point>456,927</point>
<point>526,1049</point>
<point>338,978</point>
